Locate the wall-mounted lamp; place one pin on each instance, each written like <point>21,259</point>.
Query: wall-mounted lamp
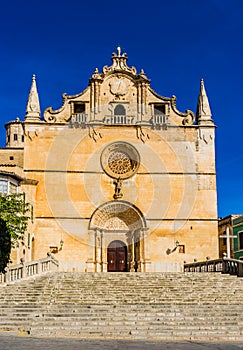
<point>169,251</point>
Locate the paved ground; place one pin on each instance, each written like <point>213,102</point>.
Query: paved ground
<point>14,342</point>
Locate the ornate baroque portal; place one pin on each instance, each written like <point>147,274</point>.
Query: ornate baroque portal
<point>118,221</point>
<point>118,227</point>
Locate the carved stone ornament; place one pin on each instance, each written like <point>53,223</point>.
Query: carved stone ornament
<point>118,87</point>
<point>118,187</point>
<point>94,134</point>
<point>31,134</point>
<point>189,119</point>
<point>120,160</point>
<point>119,63</point>
<point>142,134</point>
<point>96,75</point>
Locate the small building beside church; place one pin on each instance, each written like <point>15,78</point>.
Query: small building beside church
<point>238,233</point>
<point>224,224</point>
<point>119,179</point>
<point>234,223</point>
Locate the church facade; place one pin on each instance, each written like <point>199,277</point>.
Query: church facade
<point>118,178</point>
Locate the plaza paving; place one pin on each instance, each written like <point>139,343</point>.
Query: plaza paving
<point>14,342</point>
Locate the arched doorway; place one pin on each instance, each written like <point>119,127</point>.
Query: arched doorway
<point>117,257</point>
<point>117,233</point>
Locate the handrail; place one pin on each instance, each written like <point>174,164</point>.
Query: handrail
<point>225,265</point>
<point>29,269</point>
<point>233,267</point>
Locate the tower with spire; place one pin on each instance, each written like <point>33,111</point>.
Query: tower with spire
<point>33,104</point>
<point>203,115</point>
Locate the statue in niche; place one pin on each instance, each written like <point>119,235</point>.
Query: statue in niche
<point>118,188</point>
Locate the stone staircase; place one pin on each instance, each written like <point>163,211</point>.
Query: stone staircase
<point>166,306</point>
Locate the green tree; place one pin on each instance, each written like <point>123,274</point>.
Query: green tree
<point>5,245</point>
<point>14,213</point>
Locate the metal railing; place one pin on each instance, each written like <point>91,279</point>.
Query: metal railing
<point>28,269</point>
<point>225,265</point>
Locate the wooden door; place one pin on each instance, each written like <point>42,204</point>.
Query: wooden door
<point>117,257</point>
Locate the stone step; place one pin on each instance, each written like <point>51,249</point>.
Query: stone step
<point>123,305</point>
<point>209,335</point>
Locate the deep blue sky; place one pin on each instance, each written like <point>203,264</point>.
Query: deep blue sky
<point>176,42</point>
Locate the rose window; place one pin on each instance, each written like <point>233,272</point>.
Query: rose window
<point>120,160</point>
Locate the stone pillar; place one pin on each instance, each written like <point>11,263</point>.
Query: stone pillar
<point>92,100</point>
<point>101,250</point>
<point>104,253</point>
<point>98,250</point>
<point>96,97</point>
<point>139,101</point>
<point>143,99</point>
<point>141,250</point>
<point>90,263</point>
<point>128,251</point>
<point>144,248</point>
<point>132,263</point>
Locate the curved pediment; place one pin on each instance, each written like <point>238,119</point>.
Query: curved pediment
<point>119,88</point>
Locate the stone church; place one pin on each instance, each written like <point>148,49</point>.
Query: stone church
<point>118,179</point>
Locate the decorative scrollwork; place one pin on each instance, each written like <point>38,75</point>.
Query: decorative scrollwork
<point>51,119</point>
<point>189,119</point>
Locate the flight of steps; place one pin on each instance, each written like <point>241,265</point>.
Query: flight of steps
<point>174,306</point>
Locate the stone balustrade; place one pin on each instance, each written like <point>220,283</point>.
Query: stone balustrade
<point>225,265</point>
<point>28,269</point>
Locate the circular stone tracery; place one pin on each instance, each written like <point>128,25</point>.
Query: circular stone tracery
<point>120,160</point>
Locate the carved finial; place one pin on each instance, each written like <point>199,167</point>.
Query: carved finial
<point>118,51</point>
<point>142,74</point>
<point>33,104</point>
<point>204,115</point>
<point>96,74</point>
<point>119,63</point>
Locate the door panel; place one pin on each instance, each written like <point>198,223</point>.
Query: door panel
<point>121,259</point>
<point>117,257</point>
<point>112,260</point>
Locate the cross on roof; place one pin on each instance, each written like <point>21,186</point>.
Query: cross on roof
<point>227,236</point>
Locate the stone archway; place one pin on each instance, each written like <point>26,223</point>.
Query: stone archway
<point>118,221</point>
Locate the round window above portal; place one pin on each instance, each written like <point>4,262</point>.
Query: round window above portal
<point>120,160</point>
